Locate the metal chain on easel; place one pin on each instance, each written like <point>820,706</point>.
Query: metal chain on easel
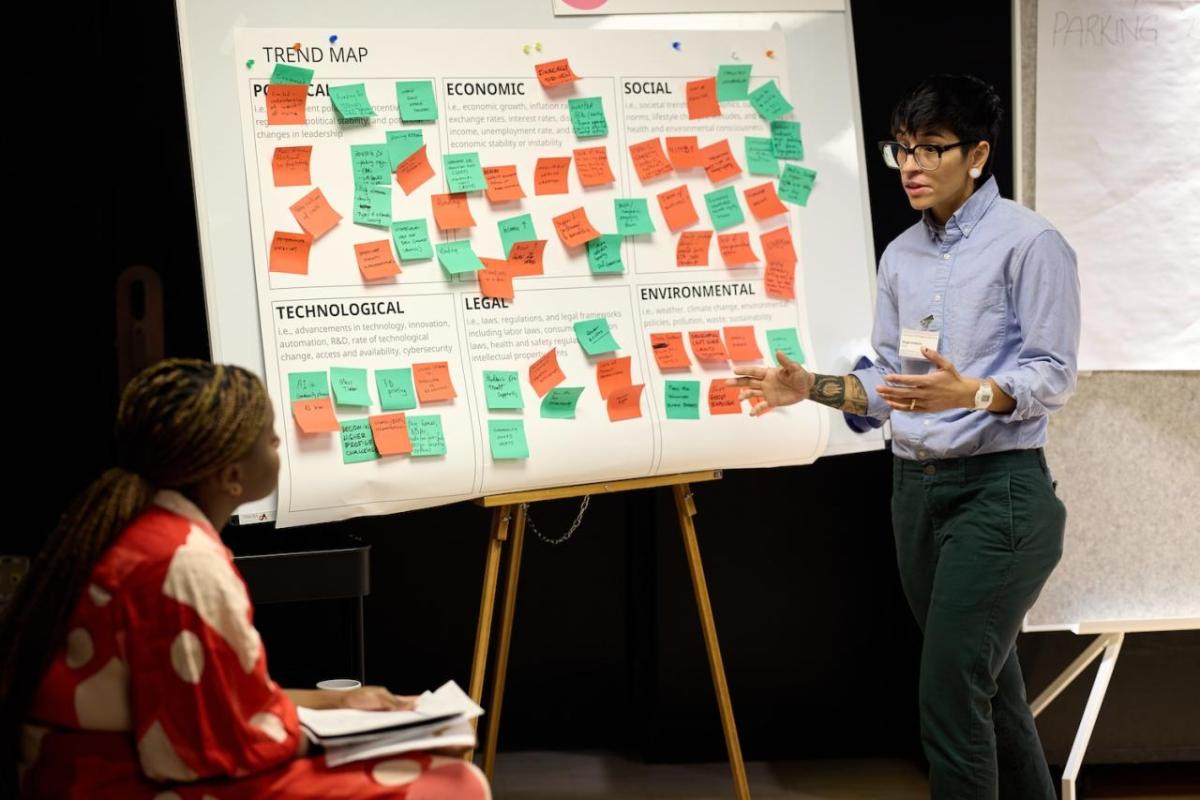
<point>583,507</point>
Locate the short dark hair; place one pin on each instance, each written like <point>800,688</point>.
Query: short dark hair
<point>961,104</point>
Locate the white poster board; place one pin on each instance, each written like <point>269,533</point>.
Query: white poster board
<point>1117,111</point>
<point>832,236</point>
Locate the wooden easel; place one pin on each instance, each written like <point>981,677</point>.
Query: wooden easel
<point>509,514</point>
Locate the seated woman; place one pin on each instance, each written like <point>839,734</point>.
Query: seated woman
<point>132,668</point>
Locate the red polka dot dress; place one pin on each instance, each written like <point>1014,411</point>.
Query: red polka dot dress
<point>161,690</point>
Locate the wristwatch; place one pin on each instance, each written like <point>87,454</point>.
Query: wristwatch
<point>983,396</point>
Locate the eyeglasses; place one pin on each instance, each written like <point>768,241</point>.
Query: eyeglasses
<point>928,156</point>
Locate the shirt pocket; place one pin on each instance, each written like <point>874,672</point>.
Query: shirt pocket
<point>982,327</point>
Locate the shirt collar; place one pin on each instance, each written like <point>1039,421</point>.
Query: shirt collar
<point>967,218</point>
<point>176,503</point>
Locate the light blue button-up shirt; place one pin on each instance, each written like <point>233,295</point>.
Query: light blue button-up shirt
<point>1001,287</point>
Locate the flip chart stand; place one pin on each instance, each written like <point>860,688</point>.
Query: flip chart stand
<point>509,515</point>
<point>1107,647</point>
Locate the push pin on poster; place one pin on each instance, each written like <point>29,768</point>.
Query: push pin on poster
<point>296,47</point>
<point>677,45</point>
<point>333,39</point>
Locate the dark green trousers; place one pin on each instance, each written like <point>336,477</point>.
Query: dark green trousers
<point>976,538</point>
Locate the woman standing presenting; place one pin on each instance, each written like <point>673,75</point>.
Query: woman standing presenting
<point>976,331</point>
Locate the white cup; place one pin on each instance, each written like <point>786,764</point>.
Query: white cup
<point>339,684</point>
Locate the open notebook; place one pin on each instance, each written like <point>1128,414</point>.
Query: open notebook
<point>440,719</point>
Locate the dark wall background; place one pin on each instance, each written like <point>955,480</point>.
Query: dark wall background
<point>819,646</point>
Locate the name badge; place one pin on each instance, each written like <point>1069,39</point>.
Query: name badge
<point>912,340</point>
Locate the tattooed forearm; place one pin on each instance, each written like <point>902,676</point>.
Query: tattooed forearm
<point>844,392</point>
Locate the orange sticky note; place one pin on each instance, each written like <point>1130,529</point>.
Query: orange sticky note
<point>777,246</point>
<point>375,260</point>
<point>391,434</point>
<point>723,399</point>
<point>677,208</point>
<point>684,152</point>
<point>550,175</point>
<point>314,213</point>
<point>414,170</point>
<point>707,345</point>
<point>702,98</point>
<point>545,374</point>
<point>735,249</point>
<point>780,279</point>
<point>315,415</point>
<point>741,343</point>
<point>591,165</point>
<point>613,374</point>
<point>286,103</point>
<point>764,202</point>
<point>452,211</point>
<point>503,183</point>
<point>525,258</point>
<point>718,161</point>
<point>290,165</point>
<point>573,228</point>
<point>649,159</point>
<point>626,403</point>
<point>555,73</point>
<point>668,351</point>
<point>692,250</point>
<point>496,278</point>
<point>289,253</point>
<point>433,382</point>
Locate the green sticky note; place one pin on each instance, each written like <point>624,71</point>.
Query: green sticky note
<point>351,101</point>
<point>395,387</point>
<point>416,101</point>
<point>769,102</point>
<point>412,239</point>
<point>286,73</point>
<point>358,443</point>
<point>307,385</point>
<point>373,205</point>
<point>516,229</point>
<point>587,117</point>
<point>458,257</point>
<point>464,173</point>
<point>760,159</point>
<point>502,389</point>
<point>507,437</point>
<point>733,82</point>
<point>402,144</point>
<point>425,433</point>
<point>724,208</point>
<point>604,254</point>
<point>633,216</point>
<point>786,141</point>
<point>796,184</point>
<point>785,339</point>
<point>349,386</point>
<point>595,336</point>
<point>560,402</point>
<point>371,165</point>
<point>682,399</point>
